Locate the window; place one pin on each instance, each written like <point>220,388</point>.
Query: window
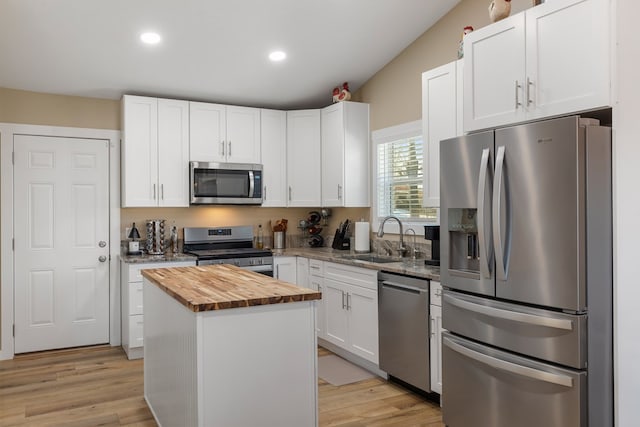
<point>399,175</point>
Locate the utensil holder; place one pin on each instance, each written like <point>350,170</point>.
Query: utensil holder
<point>279,240</point>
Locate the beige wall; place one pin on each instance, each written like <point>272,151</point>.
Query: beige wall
<point>395,92</point>
<point>23,107</point>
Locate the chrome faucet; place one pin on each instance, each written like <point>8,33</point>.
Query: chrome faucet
<point>414,252</point>
<point>401,248</point>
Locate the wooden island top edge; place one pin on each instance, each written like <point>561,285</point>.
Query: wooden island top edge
<point>224,286</point>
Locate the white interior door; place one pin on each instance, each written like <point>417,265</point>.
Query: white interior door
<point>61,211</point>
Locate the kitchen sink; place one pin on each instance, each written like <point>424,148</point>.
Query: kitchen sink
<point>371,258</point>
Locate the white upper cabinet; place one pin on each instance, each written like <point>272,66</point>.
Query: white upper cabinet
<point>303,158</point>
<point>345,155</point>
<point>494,74</point>
<point>224,133</point>
<point>243,134</point>
<point>208,128</point>
<point>538,63</point>
<point>173,152</point>
<point>155,152</point>
<point>568,57</point>
<point>441,119</point>
<point>273,137</point>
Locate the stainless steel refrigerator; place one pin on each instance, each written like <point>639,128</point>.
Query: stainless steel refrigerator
<point>526,263</point>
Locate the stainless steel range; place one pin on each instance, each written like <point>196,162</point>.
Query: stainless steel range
<point>227,245</point>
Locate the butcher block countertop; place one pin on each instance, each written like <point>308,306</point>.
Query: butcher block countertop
<point>222,286</point>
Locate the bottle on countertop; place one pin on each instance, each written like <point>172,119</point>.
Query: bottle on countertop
<point>174,239</point>
<point>260,238</point>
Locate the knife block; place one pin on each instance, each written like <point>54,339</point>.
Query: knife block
<point>341,243</point>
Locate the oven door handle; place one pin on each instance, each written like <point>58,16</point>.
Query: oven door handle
<point>513,368</point>
<point>258,268</point>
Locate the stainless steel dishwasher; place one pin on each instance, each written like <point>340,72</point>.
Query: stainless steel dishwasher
<point>403,324</point>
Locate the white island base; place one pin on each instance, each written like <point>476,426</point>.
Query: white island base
<point>238,367</point>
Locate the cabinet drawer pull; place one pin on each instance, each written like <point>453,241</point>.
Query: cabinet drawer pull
<point>529,83</point>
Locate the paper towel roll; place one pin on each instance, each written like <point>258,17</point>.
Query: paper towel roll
<point>362,237</point>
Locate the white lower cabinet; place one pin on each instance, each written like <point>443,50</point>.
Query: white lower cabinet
<point>132,307</point>
<point>284,268</point>
<point>435,340</point>
<point>302,272</point>
<point>316,282</point>
<point>351,309</point>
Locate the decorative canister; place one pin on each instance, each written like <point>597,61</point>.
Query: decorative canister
<point>155,237</point>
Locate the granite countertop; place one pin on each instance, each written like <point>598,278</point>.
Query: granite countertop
<point>418,269</point>
<point>407,266</point>
<point>223,286</point>
<point>146,258</point>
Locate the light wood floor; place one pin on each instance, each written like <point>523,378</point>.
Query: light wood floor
<point>98,386</point>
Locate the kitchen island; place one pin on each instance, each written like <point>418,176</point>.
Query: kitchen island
<point>228,347</point>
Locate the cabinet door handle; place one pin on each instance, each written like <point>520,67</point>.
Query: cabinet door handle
<point>229,150</point>
<point>265,192</point>
<point>289,193</point>
<point>518,103</point>
<point>348,301</point>
<point>529,83</point>
<point>344,306</point>
<point>277,271</point>
<point>154,192</point>
<point>339,192</point>
<point>222,148</point>
<point>162,191</point>
<point>433,326</point>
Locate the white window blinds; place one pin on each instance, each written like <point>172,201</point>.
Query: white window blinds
<point>400,179</point>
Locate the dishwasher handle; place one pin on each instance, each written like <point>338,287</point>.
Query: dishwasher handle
<point>402,287</point>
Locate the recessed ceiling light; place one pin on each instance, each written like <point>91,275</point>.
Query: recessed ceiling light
<point>277,55</point>
<point>150,38</point>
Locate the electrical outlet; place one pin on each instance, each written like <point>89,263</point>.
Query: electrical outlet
<point>127,230</point>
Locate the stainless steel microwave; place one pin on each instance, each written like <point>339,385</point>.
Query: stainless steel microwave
<point>225,183</point>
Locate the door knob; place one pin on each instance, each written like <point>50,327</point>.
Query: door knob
<point>102,258</point>
<point>102,243</point>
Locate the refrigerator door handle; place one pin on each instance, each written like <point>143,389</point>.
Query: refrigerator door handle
<point>485,268</point>
<point>529,319</point>
<point>501,265</point>
<point>513,368</point>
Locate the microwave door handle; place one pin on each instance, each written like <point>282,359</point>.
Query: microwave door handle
<point>485,259</point>
<point>510,367</point>
<point>252,184</point>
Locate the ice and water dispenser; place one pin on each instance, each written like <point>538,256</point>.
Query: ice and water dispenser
<point>464,250</point>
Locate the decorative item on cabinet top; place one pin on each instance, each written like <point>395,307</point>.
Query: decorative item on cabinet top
<point>465,31</point>
<point>341,94</point>
<point>499,9</point>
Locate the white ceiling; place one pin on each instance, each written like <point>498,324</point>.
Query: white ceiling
<point>212,50</point>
